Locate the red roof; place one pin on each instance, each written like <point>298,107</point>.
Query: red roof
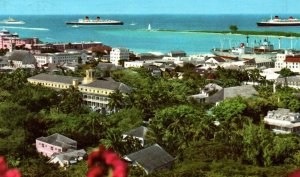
<point>292,59</point>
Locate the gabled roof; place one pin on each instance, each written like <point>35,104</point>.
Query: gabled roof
<point>230,92</point>
<point>59,140</point>
<point>55,78</point>
<point>22,55</point>
<point>218,59</point>
<point>109,83</point>
<point>138,132</point>
<point>71,154</point>
<point>151,158</point>
<point>289,79</point>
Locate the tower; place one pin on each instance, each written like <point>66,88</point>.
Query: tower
<point>90,76</point>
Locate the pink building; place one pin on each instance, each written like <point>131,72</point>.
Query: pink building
<point>9,41</point>
<point>55,143</point>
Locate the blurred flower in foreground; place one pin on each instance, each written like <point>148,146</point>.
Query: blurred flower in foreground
<point>106,163</point>
<point>5,172</point>
<point>295,174</point>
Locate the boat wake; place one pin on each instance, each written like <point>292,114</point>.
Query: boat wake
<point>25,28</point>
<point>50,38</point>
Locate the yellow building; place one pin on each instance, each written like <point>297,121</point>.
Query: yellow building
<point>94,91</point>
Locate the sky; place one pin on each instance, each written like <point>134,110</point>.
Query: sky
<point>42,7</point>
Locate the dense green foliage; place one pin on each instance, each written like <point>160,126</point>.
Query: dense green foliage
<point>233,28</point>
<point>225,140</point>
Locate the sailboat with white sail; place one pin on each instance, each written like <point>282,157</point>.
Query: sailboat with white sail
<point>149,27</point>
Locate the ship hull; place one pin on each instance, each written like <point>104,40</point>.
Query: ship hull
<point>266,24</point>
<point>96,23</point>
<point>229,55</point>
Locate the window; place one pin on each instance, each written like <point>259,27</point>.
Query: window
<point>51,148</point>
<point>43,145</point>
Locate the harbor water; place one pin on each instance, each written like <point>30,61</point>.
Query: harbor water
<point>134,34</point>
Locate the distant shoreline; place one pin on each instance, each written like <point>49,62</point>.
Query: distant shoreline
<point>254,33</point>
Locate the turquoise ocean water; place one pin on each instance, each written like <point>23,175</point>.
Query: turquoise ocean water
<point>135,36</point>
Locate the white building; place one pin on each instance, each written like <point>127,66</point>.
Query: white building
<point>283,121</point>
<point>118,54</point>
<point>59,58</point>
<point>134,64</point>
<point>293,63</point>
<point>283,60</point>
<point>270,74</point>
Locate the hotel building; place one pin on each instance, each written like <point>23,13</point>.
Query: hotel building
<point>10,41</point>
<point>95,92</point>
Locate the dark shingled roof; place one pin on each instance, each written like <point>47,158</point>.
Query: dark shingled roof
<point>71,154</point>
<point>137,132</point>
<point>177,52</point>
<point>59,140</point>
<point>151,158</point>
<point>230,92</point>
<point>289,79</point>
<point>109,83</point>
<point>55,78</point>
<point>105,83</point>
<point>22,55</point>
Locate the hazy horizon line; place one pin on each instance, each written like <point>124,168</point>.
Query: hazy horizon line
<point>159,14</point>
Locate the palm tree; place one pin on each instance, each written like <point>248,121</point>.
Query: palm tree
<point>116,100</point>
<point>254,75</point>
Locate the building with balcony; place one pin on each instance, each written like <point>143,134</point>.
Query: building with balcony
<point>283,121</point>
<point>11,40</point>
<point>60,58</point>
<point>119,54</point>
<point>95,91</point>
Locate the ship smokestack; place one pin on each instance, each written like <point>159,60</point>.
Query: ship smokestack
<point>247,40</point>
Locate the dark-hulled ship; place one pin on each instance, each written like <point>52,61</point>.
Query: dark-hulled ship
<point>279,22</point>
<point>97,21</point>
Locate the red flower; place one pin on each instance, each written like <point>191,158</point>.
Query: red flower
<point>95,172</point>
<point>109,157</point>
<point>93,157</point>
<point>5,172</point>
<point>295,174</point>
<point>120,168</point>
<point>102,161</point>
